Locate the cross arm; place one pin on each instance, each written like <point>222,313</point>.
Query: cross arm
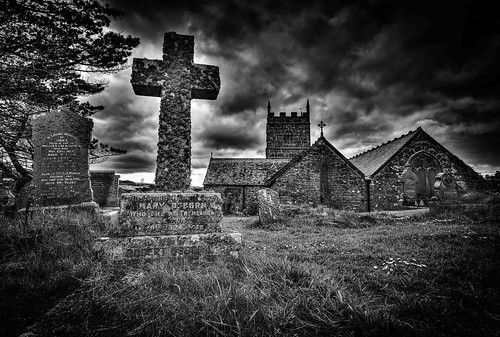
<point>205,81</point>
<point>147,77</point>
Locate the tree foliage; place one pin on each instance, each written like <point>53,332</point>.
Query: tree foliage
<point>46,48</point>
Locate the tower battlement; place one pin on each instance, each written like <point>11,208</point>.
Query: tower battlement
<point>287,135</point>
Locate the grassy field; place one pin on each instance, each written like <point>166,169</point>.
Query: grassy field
<point>317,272</point>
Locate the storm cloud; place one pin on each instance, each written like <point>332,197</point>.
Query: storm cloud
<point>372,71</point>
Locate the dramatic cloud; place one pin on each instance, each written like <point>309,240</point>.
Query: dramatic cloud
<point>372,71</point>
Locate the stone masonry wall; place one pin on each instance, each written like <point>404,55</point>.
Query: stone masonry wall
<point>301,184</point>
<point>386,185</point>
<point>248,199</point>
<point>287,135</point>
<point>104,185</point>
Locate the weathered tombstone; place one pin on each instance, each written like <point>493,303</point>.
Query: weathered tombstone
<point>177,80</point>
<point>445,188</point>
<point>409,179</point>
<point>61,141</point>
<point>176,224</point>
<point>269,206</point>
<point>105,185</point>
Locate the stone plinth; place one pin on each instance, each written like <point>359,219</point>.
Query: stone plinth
<point>190,248</point>
<point>169,213</point>
<point>175,226</point>
<point>61,141</point>
<point>269,206</point>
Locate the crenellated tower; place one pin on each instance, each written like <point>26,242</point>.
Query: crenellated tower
<point>287,135</point>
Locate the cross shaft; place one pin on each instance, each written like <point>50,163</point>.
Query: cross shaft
<point>177,80</point>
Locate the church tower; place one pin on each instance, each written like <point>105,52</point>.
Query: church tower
<point>286,136</point>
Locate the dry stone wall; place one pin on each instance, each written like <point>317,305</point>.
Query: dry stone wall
<point>105,185</point>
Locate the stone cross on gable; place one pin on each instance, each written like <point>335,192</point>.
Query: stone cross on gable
<point>177,80</point>
<point>321,126</point>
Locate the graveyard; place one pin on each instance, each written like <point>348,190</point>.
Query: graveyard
<point>400,240</point>
<point>315,271</point>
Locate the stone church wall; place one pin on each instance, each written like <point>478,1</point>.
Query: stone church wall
<point>301,184</point>
<point>386,187</point>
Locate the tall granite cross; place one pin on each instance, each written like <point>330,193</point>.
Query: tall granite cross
<point>177,80</point>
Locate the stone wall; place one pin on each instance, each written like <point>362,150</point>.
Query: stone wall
<point>343,187</point>
<point>287,135</point>
<point>104,185</point>
<point>247,202</point>
<point>386,187</point>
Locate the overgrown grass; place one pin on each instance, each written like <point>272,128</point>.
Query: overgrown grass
<point>320,273</point>
<point>41,261</point>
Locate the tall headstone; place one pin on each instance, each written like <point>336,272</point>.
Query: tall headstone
<point>61,141</point>
<point>177,80</point>
<point>409,180</point>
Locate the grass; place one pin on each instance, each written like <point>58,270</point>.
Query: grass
<point>316,272</point>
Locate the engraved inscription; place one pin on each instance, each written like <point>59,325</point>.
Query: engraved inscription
<point>60,166</point>
<point>170,213</point>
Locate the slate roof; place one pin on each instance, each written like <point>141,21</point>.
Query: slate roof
<point>242,171</point>
<point>369,162</point>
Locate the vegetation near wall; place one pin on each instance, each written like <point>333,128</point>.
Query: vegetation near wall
<point>316,272</point>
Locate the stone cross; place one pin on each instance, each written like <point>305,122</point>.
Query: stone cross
<point>321,126</point>
<point>177,80</point>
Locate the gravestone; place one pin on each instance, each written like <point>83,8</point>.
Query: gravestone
<point>269,206</point>
<point>175,224</point>
<point>445,188</point>
<point>105,185</point>
<point>177,80</point>
<point>409,179</point>
<point>182,226</point>
<point>61,141</point>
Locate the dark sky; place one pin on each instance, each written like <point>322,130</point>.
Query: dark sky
<point>372,71</point>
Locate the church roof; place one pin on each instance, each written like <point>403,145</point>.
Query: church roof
<point>369,162</point>
<point>242,171</point>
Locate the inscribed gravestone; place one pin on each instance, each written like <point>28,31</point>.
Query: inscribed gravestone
<point>105,185</point>
<point>177,80</point>
<point>61,141</point>
<point>409,179</point>
<point>269,206</point>
<point>170,213</point>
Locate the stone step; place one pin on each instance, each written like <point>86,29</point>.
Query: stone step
<point>177,248</point>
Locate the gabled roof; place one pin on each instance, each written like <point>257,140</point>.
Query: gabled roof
<point>297,158</point>
<point>371,161</point>
<point>242,171</point>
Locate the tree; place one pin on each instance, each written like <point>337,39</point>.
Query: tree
<point>45,47</point>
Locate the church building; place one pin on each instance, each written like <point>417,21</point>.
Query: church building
<point>298,171</point>
<point>394,175</point>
